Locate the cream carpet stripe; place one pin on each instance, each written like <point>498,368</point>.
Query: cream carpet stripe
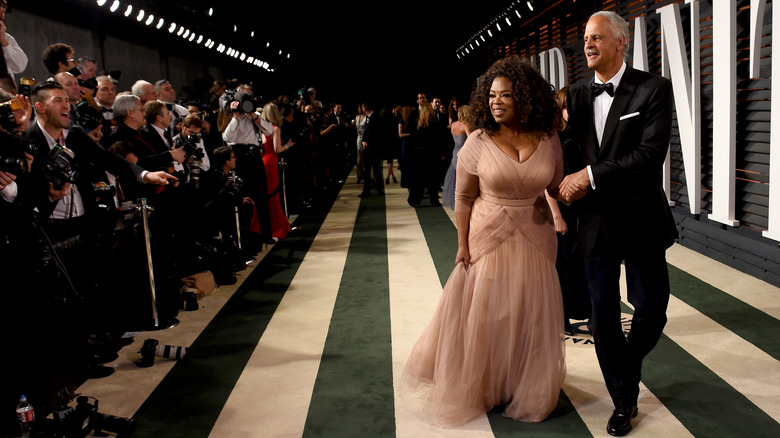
<point>748,369</point>
<point>125,391</point>
<point>414,293</point>
<point>272,396</point>
<point>751,290</point>
<point>584,385</point>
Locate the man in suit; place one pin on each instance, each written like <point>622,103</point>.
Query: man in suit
<point>372,148</point>
<point>619,130</point>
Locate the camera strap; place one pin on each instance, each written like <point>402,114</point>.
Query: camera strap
<point>258,136</point>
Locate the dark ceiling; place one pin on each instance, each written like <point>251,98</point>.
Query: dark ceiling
<point>349,50</point>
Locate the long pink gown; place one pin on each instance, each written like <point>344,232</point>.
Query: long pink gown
<point>496,337</point>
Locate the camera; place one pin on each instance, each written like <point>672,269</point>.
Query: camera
<point>87,116</point>
<point>26,85</point>
<point>86,420</point>
<point>7,118</point>
<point>89,83</point>
<point>12,150</point>
<point>246,102</point>
<point>58,168</point>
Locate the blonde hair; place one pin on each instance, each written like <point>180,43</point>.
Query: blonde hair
<point>271,113</point>
<point>426,115</point>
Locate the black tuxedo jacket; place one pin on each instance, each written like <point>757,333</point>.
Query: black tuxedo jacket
<point>628,206</point>
<point>90,160</point>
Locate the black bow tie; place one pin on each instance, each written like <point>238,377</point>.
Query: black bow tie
<point>597,89</point>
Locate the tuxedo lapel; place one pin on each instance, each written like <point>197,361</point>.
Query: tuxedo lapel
<point>623,94</point>
<point>592,143</point>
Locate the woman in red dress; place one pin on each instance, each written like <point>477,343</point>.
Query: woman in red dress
<point>272,146</point>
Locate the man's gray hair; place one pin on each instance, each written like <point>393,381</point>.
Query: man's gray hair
<point>123,104</point>
<point>105,78</point>
<point>619,27</point>
<point>138,87</point>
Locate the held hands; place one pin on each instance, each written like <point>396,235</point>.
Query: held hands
<point>160,178</point>
<point>463,256</point>
<point>574,186</point>
<point>56,195</point>
<point>6,179</point>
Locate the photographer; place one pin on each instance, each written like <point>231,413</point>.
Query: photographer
<point>191,141</point>
<point>243,134</point>
<point>157,134</point>
<point>66,174</point>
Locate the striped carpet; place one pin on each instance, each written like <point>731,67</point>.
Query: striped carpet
<point>312,339</point>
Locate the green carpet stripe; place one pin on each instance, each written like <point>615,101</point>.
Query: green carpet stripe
<point>705,404</point>
<point>746,321</point>
<point>353,392</point>
<point>442,238</point>
<point>190,398</point>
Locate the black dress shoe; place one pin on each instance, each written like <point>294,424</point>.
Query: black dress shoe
<point>620,422</point>
<point>567,328</point>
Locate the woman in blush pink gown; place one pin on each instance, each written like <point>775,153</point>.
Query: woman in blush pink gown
<point>496,337</point>
<point>273,146</point>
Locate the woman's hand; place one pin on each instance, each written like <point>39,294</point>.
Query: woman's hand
<point>560,225</point>
<point>463,256</point>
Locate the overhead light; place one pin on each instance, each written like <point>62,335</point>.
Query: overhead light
<point>186,33</point>
<point>252,34</point>
<point>530,6</point>
<point>477,41</point>
<point>192,37</point>
<point>518,14</point>
<point>288,56</point>
<point>242,57</point>
<point>141,14</point>
<point>181,31</point>
<point>280,52</point>
<point>509,23</point>
<point>490,33</point>
<point>235,28</point>
<point>101,2</point>
<point>114,6</point>
<point>268,44</point>
<point>149,19</point>
<point>498,26</point>
<point>200,38</point>
<point>172,27</point>
<point>482,37</point>
<point>211,12</point>
<point>160,23</point>
<point>467,50</point>
<point>129,10</point>
<point>250,59</point>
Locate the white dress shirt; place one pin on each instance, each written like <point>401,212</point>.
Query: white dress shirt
<point>601,105</point>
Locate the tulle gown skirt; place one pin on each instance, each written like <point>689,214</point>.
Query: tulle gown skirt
<point>495,339</point>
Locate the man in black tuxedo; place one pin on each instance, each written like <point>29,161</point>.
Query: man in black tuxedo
<point>619,130</point>
<point>372,147</point>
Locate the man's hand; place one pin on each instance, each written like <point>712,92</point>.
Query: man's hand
<point>6,179</point>
<point>160,178</point>
<point>575,185</point>
<point>56,195</point>
<point>23,117</point>
<point>365,145</point>
<point>95,135</point>
<point>178,154</point>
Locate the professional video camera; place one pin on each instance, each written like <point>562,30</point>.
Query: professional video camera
<point>88,116</point>
<point>86,420</point>
<point>12,150</point>
<point>246,101</point>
